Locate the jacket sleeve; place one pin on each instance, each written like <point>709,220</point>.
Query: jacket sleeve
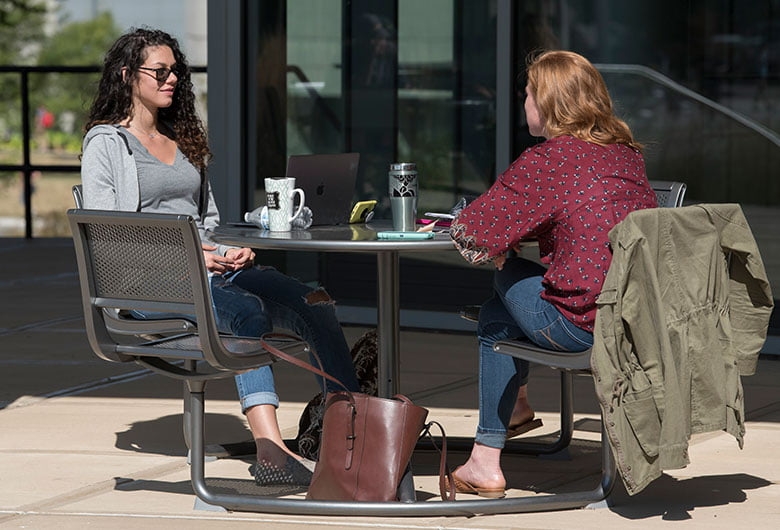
<point>750,294</point>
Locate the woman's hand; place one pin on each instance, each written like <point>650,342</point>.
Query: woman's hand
<point>243,258</point>
<point>234,259</point>
<point>500,261</point>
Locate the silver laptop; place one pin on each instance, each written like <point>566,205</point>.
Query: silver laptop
<point>329,184</point>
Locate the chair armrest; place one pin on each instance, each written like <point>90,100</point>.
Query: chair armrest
<point>117,323</point>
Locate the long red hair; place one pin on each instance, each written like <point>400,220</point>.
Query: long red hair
<point>573,99</point>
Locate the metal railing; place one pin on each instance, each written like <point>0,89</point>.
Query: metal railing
<point>661,79</point>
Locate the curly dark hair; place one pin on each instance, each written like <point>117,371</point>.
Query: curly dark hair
<point>113,101</point>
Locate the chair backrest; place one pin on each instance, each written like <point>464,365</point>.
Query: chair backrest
<point>119,322</point>
<point>670,194</point>
<point>151,262</point>
<point>78,197</point>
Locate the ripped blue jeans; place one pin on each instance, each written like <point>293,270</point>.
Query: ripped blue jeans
<point>285,303</point>
<point>253,302</point>
<point>515,311</point>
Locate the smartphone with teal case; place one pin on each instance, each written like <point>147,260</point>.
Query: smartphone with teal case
<point>411,236</point>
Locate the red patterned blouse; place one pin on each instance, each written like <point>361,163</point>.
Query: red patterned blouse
<point>567,194</point>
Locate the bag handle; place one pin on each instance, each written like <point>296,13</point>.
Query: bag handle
<point>322,373</point>
<point>276,352</point>
<point>446,487</point>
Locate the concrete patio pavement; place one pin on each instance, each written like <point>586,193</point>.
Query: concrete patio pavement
<point>86,443</point>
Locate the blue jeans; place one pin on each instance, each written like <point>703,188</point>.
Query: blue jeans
<point>253,301</point>
<point>287,303</point>
<point>516,311</point>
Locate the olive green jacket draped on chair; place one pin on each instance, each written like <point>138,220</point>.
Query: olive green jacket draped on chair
<point>683,314</point>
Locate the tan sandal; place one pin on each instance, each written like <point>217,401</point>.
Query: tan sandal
<point>463,486</point>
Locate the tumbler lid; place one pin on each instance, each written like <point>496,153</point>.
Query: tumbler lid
<point>403,166</point>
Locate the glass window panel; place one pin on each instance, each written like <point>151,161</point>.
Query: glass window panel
<point>59,103</point>
<point>697,81</point>
<point>314,77</point>
<point>696,85</point>
<point>416,91</point>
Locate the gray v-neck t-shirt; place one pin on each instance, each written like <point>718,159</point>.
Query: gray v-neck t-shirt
<point>166,188</point>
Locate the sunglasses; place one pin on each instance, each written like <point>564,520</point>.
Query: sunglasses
<point>161,74</point>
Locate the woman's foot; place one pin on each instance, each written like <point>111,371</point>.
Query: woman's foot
<point>277,465</point>
<point>522,419</point>
<point>522,428</point>
<point>467,482</point>
<point>521,413</point>
<point>294,472</point>
<point>268,438</point>
<point>273,453</point>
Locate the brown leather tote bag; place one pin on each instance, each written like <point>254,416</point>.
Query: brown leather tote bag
<point>367,443</point>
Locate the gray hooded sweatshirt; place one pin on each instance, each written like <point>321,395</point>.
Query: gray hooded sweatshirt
<point>110,180</point>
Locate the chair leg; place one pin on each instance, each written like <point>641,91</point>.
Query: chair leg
<point>567,425</point>
<point>212,451</point>
<point>608,471</point>
<point>190,366</point>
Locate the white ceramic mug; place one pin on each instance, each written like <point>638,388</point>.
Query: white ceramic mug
<point>280,198</point>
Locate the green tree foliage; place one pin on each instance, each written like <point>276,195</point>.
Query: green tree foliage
<point>66,95</point>
<point>14,12</point>
<point>81,43</point>
<point>76,44</point>
<point>21,30</point>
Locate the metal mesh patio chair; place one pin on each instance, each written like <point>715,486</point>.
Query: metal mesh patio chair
<point>154,262</point>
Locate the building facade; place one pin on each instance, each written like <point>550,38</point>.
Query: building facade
<point>437,83</point>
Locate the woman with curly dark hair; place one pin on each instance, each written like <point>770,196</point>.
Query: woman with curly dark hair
<point>145,149</point>
<point>114,100</point>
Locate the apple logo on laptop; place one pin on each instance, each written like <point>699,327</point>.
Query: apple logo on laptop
<point>321,189</point>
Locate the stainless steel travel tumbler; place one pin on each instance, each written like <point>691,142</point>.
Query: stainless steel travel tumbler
<point>402,180</point>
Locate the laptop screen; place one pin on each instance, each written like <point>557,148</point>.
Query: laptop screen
<point>328,181</point>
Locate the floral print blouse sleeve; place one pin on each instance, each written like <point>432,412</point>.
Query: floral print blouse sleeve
<point>513,209</point>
